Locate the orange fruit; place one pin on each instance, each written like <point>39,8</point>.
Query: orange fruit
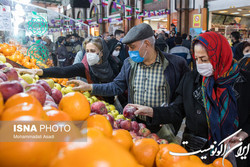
<point>100,122</point>
<point>26,154</point>
<point>76,105</point>
<point>1,103</point>
<point>21,98</point>
<point>22,110</point>
<point>218,163</point>
<point>94,152</point>
<point>94,133</point>
<point>7,51</point>
<point>163,158</point>
<point>123,138</point>
<point>145,151</point>
<point>195,158</point>
<point>56,115</point>
<point>28,65</point>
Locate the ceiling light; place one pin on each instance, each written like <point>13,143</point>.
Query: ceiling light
<point>155,19</point>
<point>246,14</point>
<point>239,10</point>
<point>223,11</point>
<point>235,13</point>
<point>165,20</point>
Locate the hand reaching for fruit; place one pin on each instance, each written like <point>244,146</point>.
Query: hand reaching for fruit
<point>32,72</point>
<point>142,110</point>
<point>80,85</point>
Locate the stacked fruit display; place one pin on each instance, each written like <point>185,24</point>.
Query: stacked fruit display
<point>112,139</point>
<point>11,53</point>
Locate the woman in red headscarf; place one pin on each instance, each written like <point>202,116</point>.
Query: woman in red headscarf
<point>206,97</point>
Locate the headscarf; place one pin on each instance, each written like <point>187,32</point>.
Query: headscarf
<point>244,63</point>
<point>239,51</point>
<point>218,95</point>
<point>103,72</point>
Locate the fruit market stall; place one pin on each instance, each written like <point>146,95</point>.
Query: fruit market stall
<point>99,135</point>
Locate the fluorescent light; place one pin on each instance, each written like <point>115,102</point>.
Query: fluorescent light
<point>246,14</point>
<point>235,13</point>
<point>239,10</point>
<point>223,11</point>
<point>165,20</point>
<point>155,19</point>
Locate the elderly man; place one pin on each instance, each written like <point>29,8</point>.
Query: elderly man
<point>51,48</point>
<point>150,75</point>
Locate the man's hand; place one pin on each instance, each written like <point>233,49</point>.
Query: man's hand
<point>237,139</point>
<point>142,110</point>
<point>32,72</point>
<point>80,85</point>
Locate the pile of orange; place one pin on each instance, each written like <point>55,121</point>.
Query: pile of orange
<point>7,49</point>
<point>62,81</point>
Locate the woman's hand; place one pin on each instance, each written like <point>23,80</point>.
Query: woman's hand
<point>80,85</point>
<point>32,72</point>
<point>142,110</point>
<point>237,139</point>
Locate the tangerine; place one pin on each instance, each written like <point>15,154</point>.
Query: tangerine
<point>123,138</point>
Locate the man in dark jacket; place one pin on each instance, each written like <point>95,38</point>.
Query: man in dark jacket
<point>150,75</point>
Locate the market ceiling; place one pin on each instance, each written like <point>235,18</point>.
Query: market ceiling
<point>47,2</point>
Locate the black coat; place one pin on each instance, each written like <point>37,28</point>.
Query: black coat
<point>188,103</point>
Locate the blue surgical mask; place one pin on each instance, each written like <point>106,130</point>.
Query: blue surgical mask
<point>121,39</point>
<point>44,43</point>
<point>135,55</point>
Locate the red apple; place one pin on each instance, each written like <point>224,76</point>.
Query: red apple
<point>10,88</point>
<point>116,125</point>
<point>92,113</point>
<point>135,126</point>
<point>110,118</point>
<point>3,76</point>
<point>129,111</point>
<point>45,85</point>
<point>137,138</point>
<point>133,134</point>
<point>153,136</point>
<point>142,125</point>
<point>49,98</point>
<point>99,108</point>
<point>126,124</point>
<point>50,103</point>
<point>56,95</point>
<point>162,141</point>
<point>10,73</point>
<point>144,132</point>
<point>119,122</point>
<point>37,91</point>
<point>2,65</point>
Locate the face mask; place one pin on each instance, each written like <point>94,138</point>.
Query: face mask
<point>72,40</point>
<point>247,55</point>
<point>44,43</point>
<point>108,38</point>
<point>92,58</point>
<point>116,53</point>
<point>135,55</point>
<point>121,39</point>
<point>205,69</point>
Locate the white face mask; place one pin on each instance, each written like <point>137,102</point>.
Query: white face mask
<point>205,69</point>
<point>116,53</point>
<point>247,55</point>
<point>92,58</point>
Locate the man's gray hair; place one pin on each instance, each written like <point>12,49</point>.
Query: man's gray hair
<point>151,40</point>
<point>47,37</point>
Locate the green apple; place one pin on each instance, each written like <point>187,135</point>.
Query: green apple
<point>68,89</point>
<point>28,78</point>
<point>120,116</point>
<point>36,77</point>
<point>108,108</point>
<point>63,90</point>
<point>3,59</point>
<point>91,101</point>
<point>57,86</point>
<point>87,94</point>
<point>94,98</point>
<point>8,64</point>
<point>50,82</point>
<point>112,107</point>
<point>114,113</point>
